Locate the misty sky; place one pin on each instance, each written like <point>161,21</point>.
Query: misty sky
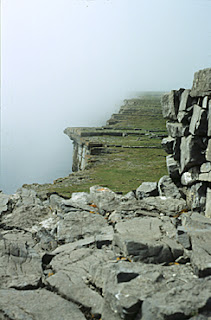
<point>72,62</point>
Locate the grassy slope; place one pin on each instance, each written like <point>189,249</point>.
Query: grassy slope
<point>122,169</point>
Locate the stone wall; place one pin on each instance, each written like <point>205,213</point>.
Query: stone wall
<point>188,114</point>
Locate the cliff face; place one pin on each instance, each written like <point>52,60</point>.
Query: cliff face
<point>137,121</point>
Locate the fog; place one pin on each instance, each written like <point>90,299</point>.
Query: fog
<point>72,62</point>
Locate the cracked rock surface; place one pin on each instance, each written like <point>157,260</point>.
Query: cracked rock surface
<point>100,255</point>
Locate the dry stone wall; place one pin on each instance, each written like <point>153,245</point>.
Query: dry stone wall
<point>188,114</point>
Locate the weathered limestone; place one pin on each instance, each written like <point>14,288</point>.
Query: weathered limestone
<point>188,144</point>
<point>201,83</point>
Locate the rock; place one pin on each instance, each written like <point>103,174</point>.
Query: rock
<point>198,124</point>
<point>104,198</point>
<point>147,189</point>
<point>176,129</point>
<point>179,302</point>
<point>79,224</point>
<point>167,144</point>
<point>201,83</point>
<point>205,102</point>
<point>190,177</point>
<point>208,151</point>
<point>173,168</point>
<point>21,266</point>
<point>4,201</point>
<point>165,205</point>
<point>37,305</point>
<point>81,197</point>
<point>209,118</point>
<point>26,216</point>
<point>208,203</point>
<point>167,188</point>
<point>71,276</point>
<point>185,102</point>
<point>192,152</point>
<point>142,240</point>
<point>126,298</point>
<point>27,197</point>
<point>183,237</point>
<point>196,197</point>
<point>170,105</point>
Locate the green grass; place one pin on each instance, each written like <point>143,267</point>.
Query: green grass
<point>122,169</point>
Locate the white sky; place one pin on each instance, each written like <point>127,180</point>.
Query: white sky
<point>71,62</point>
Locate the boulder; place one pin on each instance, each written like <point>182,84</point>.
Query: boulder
<point>38,304</point>
<point>168,188</point>
<point>170,105</point>
<point>208,203</point>
<point>167,144</point>
<point>198,124</point>
<point>21,265</point>
<point>192,152</point>
<point>173,168</point>
<point>72,277</point>
<point>185,103</point>
<point>180,302</point>
<point>176,130</point>
<point>141,239</point>
<point>201,83</point>
<point>196,197</point>
<point>4,202</point>
<point>190,177</point>
<point>209,118</point>
<point>147,189</point>
<point>104,198</point>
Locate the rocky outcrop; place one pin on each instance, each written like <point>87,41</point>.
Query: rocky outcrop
<point>101,255</point>
<point>189,128</point>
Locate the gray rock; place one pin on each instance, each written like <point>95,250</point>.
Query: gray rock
<point>201,83</point>
<point>208,203</point>
<point>72,277</point>
<point>183,237</point>
<point>185,102</point>
<point>205,167</point>
<point>208,151</point>
<point>147,189</point>
<point>198,228</point>
<point>81,197</point>
<point>4,201</point>
<point>26,216</point>
<point>176,130</point>
<point>170,105</point>
<point>36,305</point>
<point>165,205</point>
<point>79,224</point>
<point>104,198</point>
<point>20,265</point>
<point>142,240</point>
<point>209,118</point>
<point>198,124</point>
<point>125,297</point>
<point>27,197</point>
<point>179,302</point>
<point>192,152</point>
<point>167,144</point>
<point>173,168</point>
<point>167,188</point>
<point>205,102</point>
<point>196,197</point>
<point>190,177</point>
